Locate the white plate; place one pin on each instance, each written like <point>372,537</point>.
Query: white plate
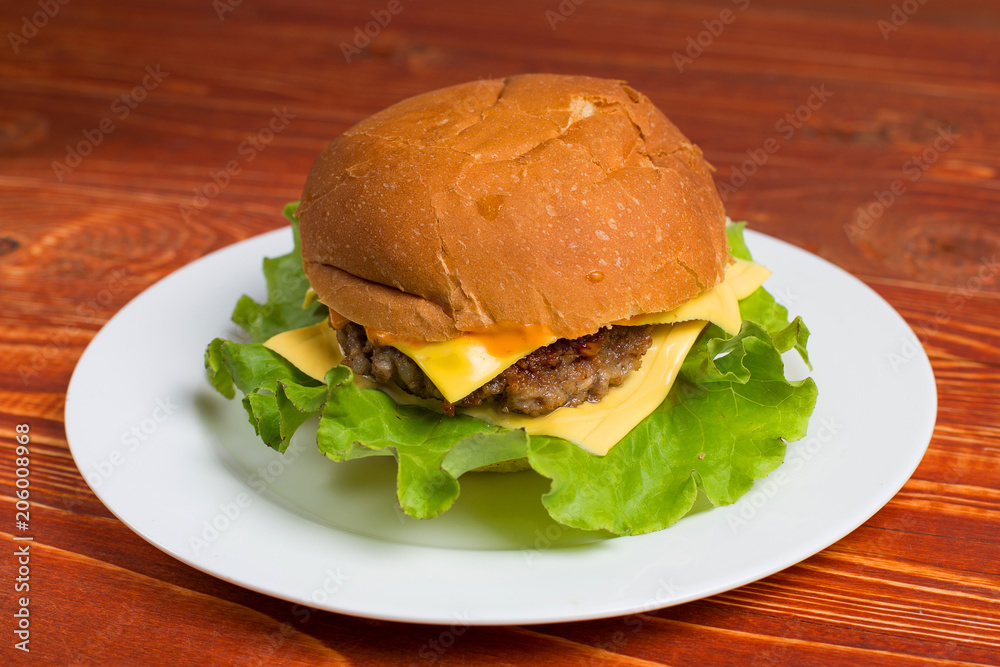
<point>181,466</point>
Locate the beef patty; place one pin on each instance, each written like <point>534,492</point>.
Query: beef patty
<point>563,374</point>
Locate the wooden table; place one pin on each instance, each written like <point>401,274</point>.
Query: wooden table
<point>117,118</point>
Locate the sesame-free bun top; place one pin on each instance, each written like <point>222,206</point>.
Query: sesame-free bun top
<point>562,201</point>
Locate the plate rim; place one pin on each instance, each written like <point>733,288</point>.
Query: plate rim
<point>279,240</point>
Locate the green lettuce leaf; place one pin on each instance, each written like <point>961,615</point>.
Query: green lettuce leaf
<point>360,422</point>
<point>737,246</point>
<point>286,289</point>
<point>723,425</point>
<point>483,449</point>
<point>278,397</point>
<point>760,307</point>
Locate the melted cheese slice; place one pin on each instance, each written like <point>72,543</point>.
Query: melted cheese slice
<point>313,350</point>
<point>310,298</point>
<point>460,366</point>
<point>745,277</point>
<point>719,305</point>
<point>597,427</point>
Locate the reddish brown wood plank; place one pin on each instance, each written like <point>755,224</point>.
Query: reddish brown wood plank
<point>915,585</point>
<point>137,617</point>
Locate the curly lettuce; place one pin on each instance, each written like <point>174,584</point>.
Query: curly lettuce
<point>724,424</point>
<point>286,289</point>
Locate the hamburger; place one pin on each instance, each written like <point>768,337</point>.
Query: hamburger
<point>534,272</point>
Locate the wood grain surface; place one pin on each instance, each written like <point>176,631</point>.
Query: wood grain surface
<point>902,92</point>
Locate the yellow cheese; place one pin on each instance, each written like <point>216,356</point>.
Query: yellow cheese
<point>460,366</point>
<point>597,427</point>
<point>310,298</point>
<point>719,305</point>
<point>745,277</point>
<point>313,350</point>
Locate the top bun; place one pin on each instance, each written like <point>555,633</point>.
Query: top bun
<point>562,201</point>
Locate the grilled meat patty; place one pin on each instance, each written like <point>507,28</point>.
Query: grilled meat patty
<point>563,374</point>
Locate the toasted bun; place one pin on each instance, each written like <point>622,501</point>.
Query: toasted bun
<point>562,201</point>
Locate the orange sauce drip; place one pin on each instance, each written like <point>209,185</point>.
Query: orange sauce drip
<point>337,321</point>
<point>507,337</point>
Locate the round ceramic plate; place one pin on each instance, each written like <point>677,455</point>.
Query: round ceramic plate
<point>182,467</point>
